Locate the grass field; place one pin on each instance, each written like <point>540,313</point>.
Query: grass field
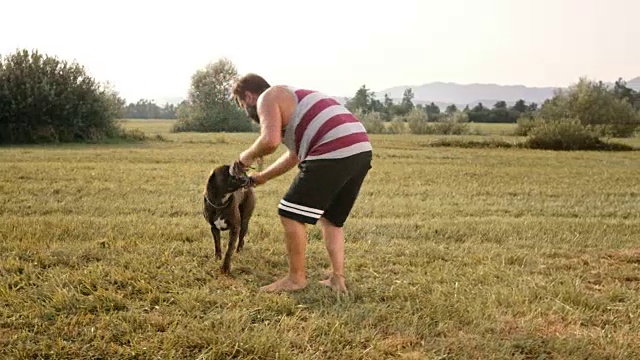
<point>451,254</point>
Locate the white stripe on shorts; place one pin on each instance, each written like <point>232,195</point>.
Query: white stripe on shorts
<point>300,207</point>
<point>304,213</point>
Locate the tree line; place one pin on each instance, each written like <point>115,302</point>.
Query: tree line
<point>365,101</point>
<point>601,108</point>
<point>148,109</point>
<point>45,99</point>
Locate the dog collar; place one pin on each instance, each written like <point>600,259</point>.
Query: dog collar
<point>218,206</point>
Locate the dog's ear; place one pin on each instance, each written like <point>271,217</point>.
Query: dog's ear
<point>211,186</point>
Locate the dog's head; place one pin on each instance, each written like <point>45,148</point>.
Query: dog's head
<point>221,182</point>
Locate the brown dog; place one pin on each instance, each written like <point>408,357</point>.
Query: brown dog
<point>228,205</point>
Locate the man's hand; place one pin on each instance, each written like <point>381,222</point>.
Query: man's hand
<point>238,168</point>
<point>257,179</point>
<point>246,159</point>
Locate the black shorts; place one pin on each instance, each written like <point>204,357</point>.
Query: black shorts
<point>325,188</point>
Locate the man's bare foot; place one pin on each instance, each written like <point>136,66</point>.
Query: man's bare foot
<point>336,282</point>
<point>285,284</point>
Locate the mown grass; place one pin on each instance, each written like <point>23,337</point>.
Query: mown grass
<point>451,253</point>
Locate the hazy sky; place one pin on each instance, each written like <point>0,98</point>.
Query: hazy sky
<point>150,49</point>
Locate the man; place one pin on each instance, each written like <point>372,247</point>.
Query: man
<point>332,150</point>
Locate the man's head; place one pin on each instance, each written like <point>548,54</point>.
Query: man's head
<point>246,92</point>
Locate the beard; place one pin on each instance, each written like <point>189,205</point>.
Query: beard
<point>252,112</point>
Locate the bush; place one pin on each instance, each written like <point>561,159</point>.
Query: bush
<point>564,134</point>
<point>596,107</point>
<point>467,143</point>
<point>417,120</point>
<point>397,126</point>
<point>372,121</point>
<point>524,126</point>
<point>44,99</point>
<point>452,124</point>
<point>450,128</point>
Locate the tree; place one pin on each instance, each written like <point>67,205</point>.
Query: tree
<point>407,100</point>
<point>387,108</point>
<point>451,109</point>
<point>500,105</point>
<point>595,106</point>
<point>501,114</point>
<point>210,108</point>
<point>479,114</point>
<point>388,102</point>
<point>433,111</point>
<point>361,101</point>
<point>365,101</point>
<point>621,91</point>
<point>520,106</point>
<point>45,99</point>
<point>146,109</point>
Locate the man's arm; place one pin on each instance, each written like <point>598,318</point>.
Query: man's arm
<point>285,162</point>
<point>270,128</point>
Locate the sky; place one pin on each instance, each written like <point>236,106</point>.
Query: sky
<point>150,49</point>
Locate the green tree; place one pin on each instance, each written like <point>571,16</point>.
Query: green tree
<point>520,106</point>
<point>361,101</point>
<point>365,101</point>
<point>500,105</point>
<point>388,102</point>
<point>502,115</point>
<point>433,111</point>
<point>45,99</point>
<point>479,114</point>
<point>621,91</point>
<point>595,106</point>
<point>407,101</point>
<point>387,108</point>
<point>144,109</point>
<point>210,108</point>
<point>451,109</point>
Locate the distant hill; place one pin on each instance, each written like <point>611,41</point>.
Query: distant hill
<point>443,94</point>
<point>634,84</point>
<point>450,93</point>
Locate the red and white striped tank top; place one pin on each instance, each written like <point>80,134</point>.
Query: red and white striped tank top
<point>322,128</point>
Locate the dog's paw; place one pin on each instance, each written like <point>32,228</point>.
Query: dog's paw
<point>225,269</point>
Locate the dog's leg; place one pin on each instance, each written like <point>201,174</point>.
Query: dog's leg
<point>216,241</point>
<point>233,239</point>
<point>246,210</point>
<point>244,226</point>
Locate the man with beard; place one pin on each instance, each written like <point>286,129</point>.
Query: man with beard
<point>331,148</point>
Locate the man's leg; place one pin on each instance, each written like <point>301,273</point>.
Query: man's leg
<point>334,217</point>
<point>334,242</point>
<point>296,243</point>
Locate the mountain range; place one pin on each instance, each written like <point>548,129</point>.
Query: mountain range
<point>444,94</point>
<point>634,84</point>
<point>447,93</point>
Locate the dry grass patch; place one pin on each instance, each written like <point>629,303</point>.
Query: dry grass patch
<point>451,254</point>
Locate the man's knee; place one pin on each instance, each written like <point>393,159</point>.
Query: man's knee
<point>328,223</point>
<point>289,223</point>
